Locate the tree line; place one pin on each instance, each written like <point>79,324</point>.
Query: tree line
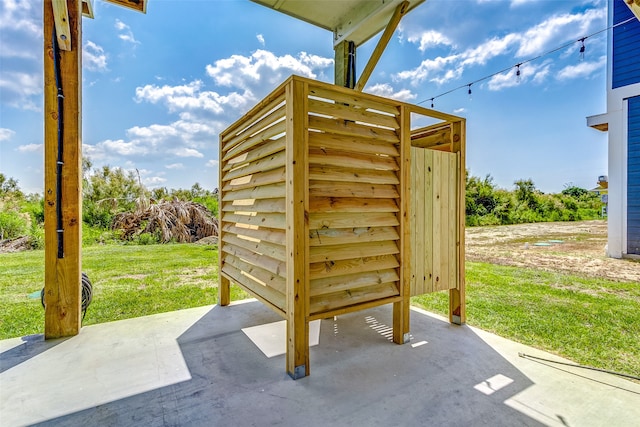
<point>118,207</point>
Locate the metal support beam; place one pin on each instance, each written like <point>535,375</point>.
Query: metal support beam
<point>400,11</point>
<point>62,173</point>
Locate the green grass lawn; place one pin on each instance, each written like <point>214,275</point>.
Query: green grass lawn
<point>590,321</point>
<point>128,281</point>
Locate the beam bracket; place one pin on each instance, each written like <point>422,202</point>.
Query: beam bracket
<point>61,19</point>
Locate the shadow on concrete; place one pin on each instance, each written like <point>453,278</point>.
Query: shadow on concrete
<point>31,346</point>
<point>358,377</point>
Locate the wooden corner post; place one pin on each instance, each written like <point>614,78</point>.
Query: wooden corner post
<point>297,230</point>
<point>224,285</point>
<point>401,319</point>
<point>457,304</point>
<point>62,167</point>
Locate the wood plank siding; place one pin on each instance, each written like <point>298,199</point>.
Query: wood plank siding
<point>633,177</point>
<point>625,58</point>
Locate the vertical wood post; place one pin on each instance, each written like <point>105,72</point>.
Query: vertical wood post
<point>341,65</point>
<point>457,303</point>
<point>63,264</point>
<point>297,232</point>
<point>224,286</point>
<point>401,319</point>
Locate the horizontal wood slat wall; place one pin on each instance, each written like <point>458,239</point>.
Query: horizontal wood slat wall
<point>252,208</point>
<point>354,192</point>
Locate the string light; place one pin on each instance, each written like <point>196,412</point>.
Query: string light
<point>469,91</point>
<point>518,75</point>
<point>518,72</point>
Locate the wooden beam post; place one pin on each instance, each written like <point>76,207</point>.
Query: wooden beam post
<point>457,303</point>
<point>297,232</point>
<point>344,70</point>
<point>401,9</point>
<point>63,176</point>
<point>224,285</point>
<point>401,319</point>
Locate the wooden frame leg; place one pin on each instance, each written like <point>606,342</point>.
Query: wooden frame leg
<point>224,291</point>
<point>297,348</point>
<point>401,322</point>
<point>457,308</point>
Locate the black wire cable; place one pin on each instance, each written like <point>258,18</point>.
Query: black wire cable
<point>351,66</point>
<point>564,46</point>
<point>60,159</point>
<point>528,356</point>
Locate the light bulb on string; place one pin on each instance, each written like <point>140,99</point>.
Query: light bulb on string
<point>518,78</point>
<point>432,102</point>
<point>469,92</point>
<point>582,48</point>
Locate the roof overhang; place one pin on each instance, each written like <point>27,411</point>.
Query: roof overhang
<point>599,122</point>
<point>352,20</point>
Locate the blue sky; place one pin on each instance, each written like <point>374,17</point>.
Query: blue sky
<point>158,88</point>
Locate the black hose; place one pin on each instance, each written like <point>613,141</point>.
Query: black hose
<point>87,294</point>
<point>527,356</point>
<point>59,161</point>
<point>351,66</point>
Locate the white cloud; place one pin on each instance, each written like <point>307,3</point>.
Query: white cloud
<point>175,166</point>
<point>536,73</point>
<point>265,68</point>
<point>386,90</point>
<point>17,89</point>
<point>459,110</point>
<point>428,39</point>
<point>125,32</point>
<point>158,142</point>
<point>212,163</point>
<point>559,28</point>
<point>429,67</point>
<point>21,54</point>
<point>582,70</point>
<point>536,40</point>
<point>189,97</point>
<point>6,134</point>
<point>153,181</point>
<point>186,152</point>
<point>30,148</point>
<point>93,57</point>
<point>21,16</point>
<point>260,38</point>
<point>516,3</point>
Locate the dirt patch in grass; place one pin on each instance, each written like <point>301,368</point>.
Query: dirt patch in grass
<point>571,247</point>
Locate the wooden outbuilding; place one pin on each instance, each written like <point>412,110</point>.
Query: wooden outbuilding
<point>333,201</point>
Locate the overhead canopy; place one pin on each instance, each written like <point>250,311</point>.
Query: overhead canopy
<point>353,20</point>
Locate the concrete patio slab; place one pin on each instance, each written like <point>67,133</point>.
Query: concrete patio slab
<point>196,367</point>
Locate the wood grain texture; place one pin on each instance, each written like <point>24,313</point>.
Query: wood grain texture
<point>62,275</point>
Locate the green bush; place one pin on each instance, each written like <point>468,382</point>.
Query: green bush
<point>146,239</point>
<point>487,204</point>
<point>13,224</point>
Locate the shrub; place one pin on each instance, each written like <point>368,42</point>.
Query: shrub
<point>13,224</point>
